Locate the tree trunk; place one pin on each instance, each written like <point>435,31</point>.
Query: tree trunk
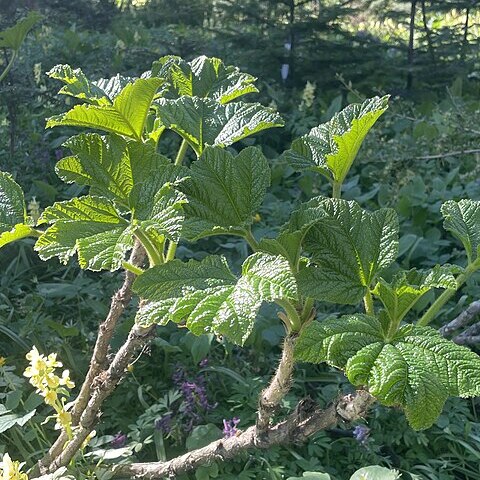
<point>410,45</point>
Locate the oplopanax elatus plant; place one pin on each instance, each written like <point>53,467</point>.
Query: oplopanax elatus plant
<point>141,204</point>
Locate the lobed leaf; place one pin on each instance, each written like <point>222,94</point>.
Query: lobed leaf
<point>89,226</point>
<point>203,121</point>
<point>110,165</point>
<point>348,247</point>
<point>13,37</point>
<point>203,77</point>
<point>209,298</point>
<point>402,293</point>
<point>126,116</point>
<point>462,219</point>
<point>78,85</point>
<point>13,215</point>
<point>417,369</point>
<point>332,147</point>
<point>225,190</point>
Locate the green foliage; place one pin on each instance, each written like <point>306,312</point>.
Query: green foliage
<point>329,250</point>
<point>332,147</point>
<point>416,368</point>
<point>13,37</point>
<point>125,116</point>
<point>210,298</point>
<point>348,247</point>
<point>13,214</point>
<point>202,121</point>
<point>224,192</point>
<point>203,77</point>
<point>462,219</point>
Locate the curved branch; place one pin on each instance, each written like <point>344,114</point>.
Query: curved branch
<point>463,319</point>
<point>307,420</point>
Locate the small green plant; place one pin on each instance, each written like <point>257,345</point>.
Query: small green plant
<point>140,205</point>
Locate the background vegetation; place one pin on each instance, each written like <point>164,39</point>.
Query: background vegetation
<point>424,151</point>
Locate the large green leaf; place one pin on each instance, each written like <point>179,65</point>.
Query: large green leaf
<point>226,191</point>
<point>209,298</point>
<point>158,206</point>
<point>332,147</point>
<point>13,37</point>
<point>13,215</point>
<point>348,247</point>
<point>203,77</point>
<point>110,165</point>
<point>417,369</point>
<point>78,85</point>
<point>335,340</point>
<point>89,226</point>
<point>406,288</point>
<point>462,219</point>
<point>203,121</point>
<point>126,116</point>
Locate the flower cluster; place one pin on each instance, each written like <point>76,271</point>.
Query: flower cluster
<point>230,427</point>
<point>361,434</point>
<point>195,399</point>
<point>10,470</point>
<point>54,389</point>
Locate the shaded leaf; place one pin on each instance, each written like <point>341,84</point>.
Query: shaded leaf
<point>348,247</point>
<point>203,121</point>
<point>203,77</point>
<point>13,37</point>
<point>462,219</point>
<point>225,190</point>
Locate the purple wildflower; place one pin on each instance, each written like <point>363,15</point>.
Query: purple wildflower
<point>230,427</point>
<point>361,434</point>
<point>203,363</point>
<point>119,440</point>
<point>164,424</point>
<point>59,153</point>
<point>179,376</point>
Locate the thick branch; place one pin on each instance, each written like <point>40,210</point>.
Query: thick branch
<point>103,386</point>
<point>470,336</point>
<point>307,420</point>
<point>97,363</point>
<point>462,320</point>
<point>279,386</point>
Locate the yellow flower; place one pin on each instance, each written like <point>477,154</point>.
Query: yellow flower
<point>65,380</point>
<point>51,397</point>
<point>11,470</point>
<point>3,360</point>
<point>64,418</point>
